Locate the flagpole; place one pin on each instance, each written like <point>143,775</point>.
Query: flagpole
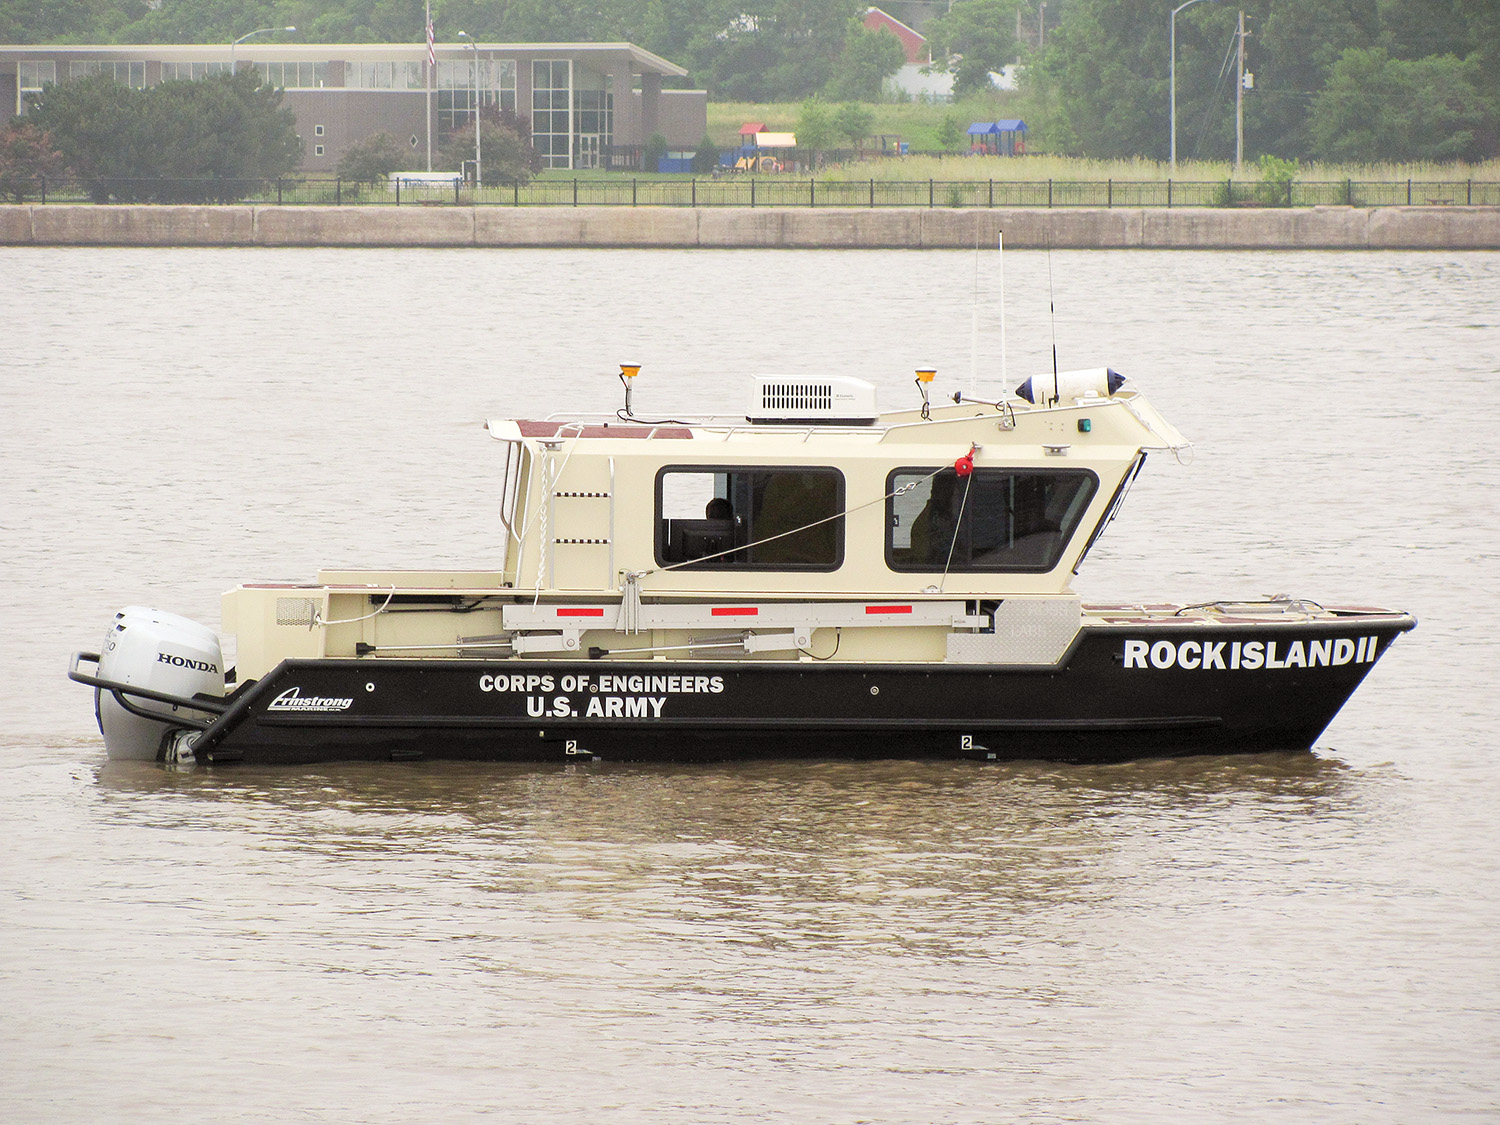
<point>431,66</point>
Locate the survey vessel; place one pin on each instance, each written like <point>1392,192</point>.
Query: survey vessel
<point>812,578</point>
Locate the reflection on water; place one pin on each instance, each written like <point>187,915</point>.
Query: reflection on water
<point>885,856</point>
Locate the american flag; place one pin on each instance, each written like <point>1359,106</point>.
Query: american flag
<point>431,51</point>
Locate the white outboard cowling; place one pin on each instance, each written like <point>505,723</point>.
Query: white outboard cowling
<point>160,652</point>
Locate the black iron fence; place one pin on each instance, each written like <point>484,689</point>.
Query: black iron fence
<point>734,190</point>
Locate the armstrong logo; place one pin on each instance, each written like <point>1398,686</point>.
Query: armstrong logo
<point>293,700</point>
<point>185,662</point>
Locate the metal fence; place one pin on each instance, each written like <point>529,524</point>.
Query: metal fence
<point>768,191</point>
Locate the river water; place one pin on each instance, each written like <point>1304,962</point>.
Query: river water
<point>1306,938</point>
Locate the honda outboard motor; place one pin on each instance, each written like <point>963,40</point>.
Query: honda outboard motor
<point>164,654</point>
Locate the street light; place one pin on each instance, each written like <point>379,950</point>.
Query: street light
<point>478,148</point>
<point>1172,73</point>
<point>251,35</point>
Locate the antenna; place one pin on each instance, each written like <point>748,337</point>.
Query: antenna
<point>1004,379</point>
<point>1052,309</point>
<point>974,322</point>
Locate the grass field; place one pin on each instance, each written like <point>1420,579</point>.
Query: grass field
<point>917,124</point>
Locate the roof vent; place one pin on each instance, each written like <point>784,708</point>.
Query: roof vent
<point>831,400</point>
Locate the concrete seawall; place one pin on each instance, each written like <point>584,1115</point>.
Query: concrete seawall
<point>1120,228</point>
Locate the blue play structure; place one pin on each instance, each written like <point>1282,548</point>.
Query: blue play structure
<point>998,138</point>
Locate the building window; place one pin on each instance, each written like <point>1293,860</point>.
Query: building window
<point>294,75</point>
<point>132,74</point>
<point>384,76</point>
<point>993,519</point>
<point>192,71</point>
<point>33,75</point>
<point>594,116</point>
<point>743,518</point>
<point>317,130</point>
<point>317,150</point>
<point>551,111</point>
<point>455,89</point>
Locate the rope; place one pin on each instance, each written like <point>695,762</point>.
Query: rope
<point>957,523</point>
<point>907,487</point>
<point>318,619</point>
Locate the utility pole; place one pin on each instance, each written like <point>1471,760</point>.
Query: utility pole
<point>1239,104</point>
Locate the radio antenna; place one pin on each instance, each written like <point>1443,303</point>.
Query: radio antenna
<point>974,322</point>
<point>1000,246</point>
<point>1052,309</point>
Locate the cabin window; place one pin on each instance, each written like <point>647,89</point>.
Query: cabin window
<point>994,519</point>
<point>739,518</point>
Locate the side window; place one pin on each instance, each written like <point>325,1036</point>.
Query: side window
<point>757,518</point>
<point>994,519</point>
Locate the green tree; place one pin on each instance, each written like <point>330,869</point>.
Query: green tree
<point>1102,82</point>
<point>707,156</point>
<point>216,140</point>
<point>769,50</point>
<point>869,57</point>
<point>981,33</point>
<point>950,131</point>
<point>505,145</point>
<point>372,160</point>
<point>27,159</point>
<point>853,122</point>
<point>656,149</point>
<point>1375,107</point>
<point>815,129</point>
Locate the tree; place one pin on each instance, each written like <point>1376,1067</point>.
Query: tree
<point>769,50</point>
<point>656,151</point>
<point>950,131</point>
<point>853,122</point>
<point>372,160</point>
<point>869,57</point>
<point>214,140</point>
<point>981,34</point>
<point>28,159</point>
<point>815,131</point>
<point>1375,107</point>
<point>1104,75</point>
<point>505,144</point>
<point>707,156</point>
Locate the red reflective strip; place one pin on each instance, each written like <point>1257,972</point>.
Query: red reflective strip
<point>597,612</point>
<point>887,609</point>
<point>733,611</point>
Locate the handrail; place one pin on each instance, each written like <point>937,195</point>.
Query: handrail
<point>195,703</point>
<point>770,191</point>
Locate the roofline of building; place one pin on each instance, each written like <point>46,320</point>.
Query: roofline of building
<point>258,50</point>
<point>894,20</point>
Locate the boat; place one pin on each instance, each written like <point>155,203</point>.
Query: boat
<point>813,578</point>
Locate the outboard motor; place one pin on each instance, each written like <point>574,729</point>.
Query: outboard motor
<point>166,655</point>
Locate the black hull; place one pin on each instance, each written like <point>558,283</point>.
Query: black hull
<point>1110,700</point>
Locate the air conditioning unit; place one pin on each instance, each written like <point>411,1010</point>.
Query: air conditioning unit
<point>800,399</point>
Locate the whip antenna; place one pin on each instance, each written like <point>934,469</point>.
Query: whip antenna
<point>1052,309</point>
<point>1004,379</point>
<point>974,324</point>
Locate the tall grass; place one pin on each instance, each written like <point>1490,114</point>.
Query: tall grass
<point>1079,170</point>
<point>915,123</point>
<point>918,123</point>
